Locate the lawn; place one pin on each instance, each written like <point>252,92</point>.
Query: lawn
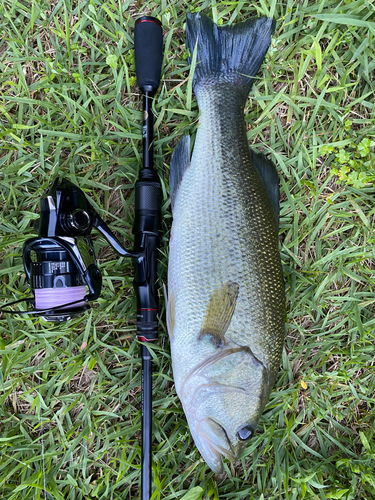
<point>70,401</point>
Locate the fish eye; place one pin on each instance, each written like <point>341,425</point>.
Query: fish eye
<point>245,433</point>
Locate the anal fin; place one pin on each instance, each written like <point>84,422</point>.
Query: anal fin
<point>180,161</point>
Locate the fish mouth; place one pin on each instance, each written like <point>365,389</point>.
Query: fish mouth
<point>213,442</point>
<point>207,398</point>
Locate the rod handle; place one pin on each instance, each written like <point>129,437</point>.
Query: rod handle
<point>146,230</point>
<point>148,49</point>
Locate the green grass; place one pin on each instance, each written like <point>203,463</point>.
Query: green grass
<point>68,108</point>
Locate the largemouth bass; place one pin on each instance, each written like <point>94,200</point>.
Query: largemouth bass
<point>226,305</point>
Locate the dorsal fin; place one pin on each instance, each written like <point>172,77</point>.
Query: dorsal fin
<point>268,173</point>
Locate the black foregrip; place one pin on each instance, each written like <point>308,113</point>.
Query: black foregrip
<point>147,195</point>
<point>146,230</point>
<point>148,49</point>
<point>147,217</point>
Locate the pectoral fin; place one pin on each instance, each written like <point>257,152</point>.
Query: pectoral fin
<point>219,312</point>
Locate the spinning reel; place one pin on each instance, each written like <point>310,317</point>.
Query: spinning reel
<point>60,262</point>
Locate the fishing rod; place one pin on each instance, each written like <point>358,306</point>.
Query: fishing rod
<point>60,263</point>
<point>148,50</point>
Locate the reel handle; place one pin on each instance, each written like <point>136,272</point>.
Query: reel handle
<point>148,51</point>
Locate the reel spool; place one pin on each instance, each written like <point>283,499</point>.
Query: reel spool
<point>60,262</point>
<point>54,278</point>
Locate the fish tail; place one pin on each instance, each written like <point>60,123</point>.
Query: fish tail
<point>231,53</point>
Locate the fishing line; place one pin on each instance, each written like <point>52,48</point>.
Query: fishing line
<point>38,312</point>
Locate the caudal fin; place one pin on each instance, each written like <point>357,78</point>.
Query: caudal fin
<point>231,53</point>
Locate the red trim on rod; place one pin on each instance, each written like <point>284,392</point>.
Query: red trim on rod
<point>148,21</point>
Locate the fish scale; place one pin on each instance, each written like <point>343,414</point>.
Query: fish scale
<point>224,269</point>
